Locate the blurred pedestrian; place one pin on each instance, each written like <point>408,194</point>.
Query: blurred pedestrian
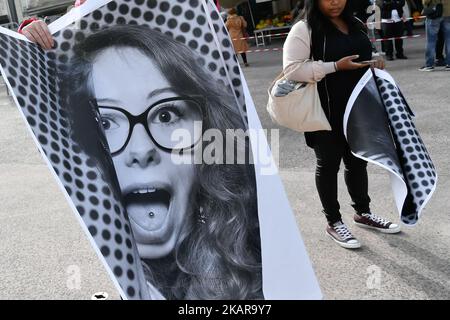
<point>392,26</point>
<point>407,18</point>
<point>438,18</point>
<point>237,27</point>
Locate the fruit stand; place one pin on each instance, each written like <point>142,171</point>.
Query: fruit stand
<point>265,29</point>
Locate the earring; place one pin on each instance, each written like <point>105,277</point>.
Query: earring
<point>201,216</point>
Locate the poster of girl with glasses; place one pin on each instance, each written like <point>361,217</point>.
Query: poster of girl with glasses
<point>120,107</point>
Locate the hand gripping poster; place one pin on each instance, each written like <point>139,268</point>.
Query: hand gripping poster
<point>379,127</point>
<point>120,108</point>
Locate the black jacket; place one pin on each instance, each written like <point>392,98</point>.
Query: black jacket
<point>388,5</point>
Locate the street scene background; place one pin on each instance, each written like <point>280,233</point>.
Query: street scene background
<point>45,254</point>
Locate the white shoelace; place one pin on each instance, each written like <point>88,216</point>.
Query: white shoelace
<point>376,218</point>
<point>342,230</point>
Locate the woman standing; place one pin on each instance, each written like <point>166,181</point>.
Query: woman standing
<point>236,26</point>
<point>393,27</point>
<point>338,44</point>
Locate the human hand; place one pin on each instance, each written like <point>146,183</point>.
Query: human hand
<point>283,87</point>
<point>38,32</point>
<point>378,63</point>
<point>347,63</point>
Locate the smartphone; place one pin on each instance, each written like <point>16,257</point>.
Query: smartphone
<point>368,61</point>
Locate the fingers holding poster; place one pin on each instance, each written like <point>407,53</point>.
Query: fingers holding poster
<point>104,106</point>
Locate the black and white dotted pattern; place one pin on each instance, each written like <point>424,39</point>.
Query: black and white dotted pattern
<point>32,76</point>
<point>418,169</point>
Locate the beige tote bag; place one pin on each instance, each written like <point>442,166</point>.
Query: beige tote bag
<point>300,109</point>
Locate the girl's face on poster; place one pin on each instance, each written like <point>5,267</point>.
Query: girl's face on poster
<point>155,188</point>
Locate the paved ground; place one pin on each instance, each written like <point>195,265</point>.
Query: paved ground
<point>44,253</point>
<point>43,248</point>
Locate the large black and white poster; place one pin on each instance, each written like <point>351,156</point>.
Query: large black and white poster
<point>134,110</point>
<point>379,128</point>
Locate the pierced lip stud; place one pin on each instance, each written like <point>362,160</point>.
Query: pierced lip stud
<point>151,214</point>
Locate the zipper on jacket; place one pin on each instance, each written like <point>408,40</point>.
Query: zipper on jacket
<point>326,86</point>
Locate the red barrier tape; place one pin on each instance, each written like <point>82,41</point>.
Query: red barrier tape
<point>372,40</point>
<point>286,33</point>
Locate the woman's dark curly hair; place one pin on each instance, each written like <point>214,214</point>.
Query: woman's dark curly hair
<point>220,259</point>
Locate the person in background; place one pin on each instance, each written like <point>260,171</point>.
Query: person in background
<point>416,6</point>
<point>377,25</point>
<point>236,26</point>
<point>407,18</point>
<point>433,26</point>
<point>392,26</point>
<point>36,30</point>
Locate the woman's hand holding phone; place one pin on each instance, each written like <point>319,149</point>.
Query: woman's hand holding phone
<point>347,63</point>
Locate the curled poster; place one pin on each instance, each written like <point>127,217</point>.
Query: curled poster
<point>144,117</point>
<point>379,127</point>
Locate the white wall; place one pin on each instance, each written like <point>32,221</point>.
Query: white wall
<point>281,5</point>
<point>3,8</point>
<point>34,4</point>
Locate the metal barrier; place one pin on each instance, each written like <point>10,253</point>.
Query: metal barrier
<point>10,25</point>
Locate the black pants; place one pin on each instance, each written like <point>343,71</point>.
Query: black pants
<point>329,152</point>
<point>409,26</point>
<point>440,45</point>
<point>391,30</point>
<point>381,36</point>
<point>244,57</point>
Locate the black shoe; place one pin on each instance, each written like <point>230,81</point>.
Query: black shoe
<point>401,56</point>
<point>447,68</point>
<point>389,58</point>
<point>427,69</point>
<point>440,63</point>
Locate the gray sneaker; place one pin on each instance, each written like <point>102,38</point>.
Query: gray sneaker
<point>342,235</point>
<point>427,69</point>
